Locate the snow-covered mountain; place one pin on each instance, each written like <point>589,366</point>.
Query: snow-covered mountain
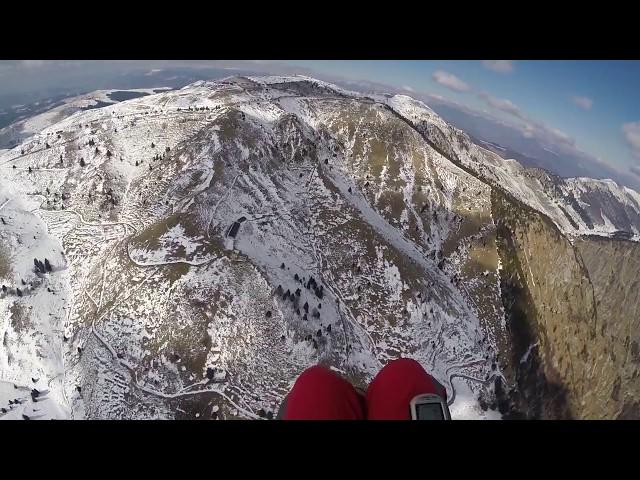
<point>578,206</point>
<point>207,244</point>
<point>18,131</point>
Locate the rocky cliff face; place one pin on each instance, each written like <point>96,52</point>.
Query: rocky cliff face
<point>549,307</point>
<point>613,268</point>
<point>570,319</point>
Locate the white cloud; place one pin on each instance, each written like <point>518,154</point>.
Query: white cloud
<point>549,136</point>
<point>153,71</point>
<point>500,66</point>
<point>559,135</point>
<point>440,98</point>
<point>553,136</point>
<point>583,102</point>
<point>503,104</point>
<point>450,81</point>
<point>530,128</point>
<point>408,88</point>
<point>631,132</point>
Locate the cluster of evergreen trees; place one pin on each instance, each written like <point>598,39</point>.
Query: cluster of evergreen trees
<point>42,267</point>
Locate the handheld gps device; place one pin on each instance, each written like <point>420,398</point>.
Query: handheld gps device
<point>429,406</point>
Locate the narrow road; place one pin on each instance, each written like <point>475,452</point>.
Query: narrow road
<point>464,376</point>
<point>135,382</point>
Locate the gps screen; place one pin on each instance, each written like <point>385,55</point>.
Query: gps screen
<point>429,411</point>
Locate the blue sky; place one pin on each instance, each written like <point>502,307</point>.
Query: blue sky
<point>589,101</point>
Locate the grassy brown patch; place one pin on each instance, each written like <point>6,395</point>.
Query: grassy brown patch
<point>175,272</point>
<point>5,267</point>
<point>20,320</point>
<point>149,238</point>
<point>472,223</point>
<point>482,258</point>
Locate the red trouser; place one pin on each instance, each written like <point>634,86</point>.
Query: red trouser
<point>320,394</point>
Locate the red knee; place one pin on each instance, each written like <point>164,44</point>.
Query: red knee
<point>391,391</point>
<point>320,394</point>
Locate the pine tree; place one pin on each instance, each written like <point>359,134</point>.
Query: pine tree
<point>47,265</point>
<point>82,164</point>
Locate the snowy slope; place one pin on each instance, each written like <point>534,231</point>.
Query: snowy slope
<point>32,322</point>
<point>18,131</point>
<point>185,228</point>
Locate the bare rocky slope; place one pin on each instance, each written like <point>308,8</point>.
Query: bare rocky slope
<point>210,243</point>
